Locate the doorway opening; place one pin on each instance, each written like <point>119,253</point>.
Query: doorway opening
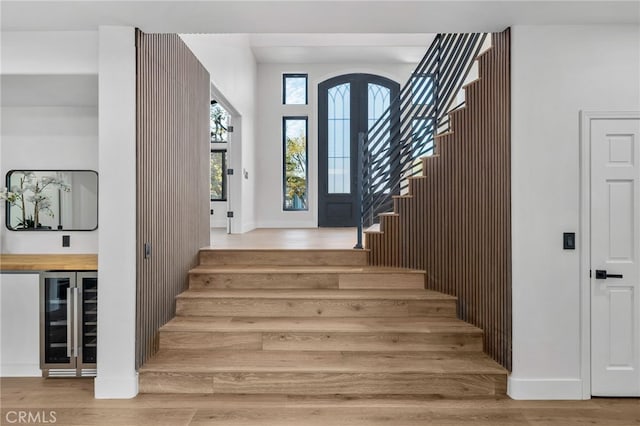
<point>347,106</point>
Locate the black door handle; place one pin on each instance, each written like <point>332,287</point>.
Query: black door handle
<point>602,275</point>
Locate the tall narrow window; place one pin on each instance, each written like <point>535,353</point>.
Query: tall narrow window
<point>294,89</point>
<point>218,175</point>
<point>219,120</point>
<point>294,132</point>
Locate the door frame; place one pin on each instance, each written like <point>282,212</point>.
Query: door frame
<point>584,238</point>
<point>233,147</point>
<point>361,118</point>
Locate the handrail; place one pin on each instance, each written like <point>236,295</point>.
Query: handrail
<point>390,152</point>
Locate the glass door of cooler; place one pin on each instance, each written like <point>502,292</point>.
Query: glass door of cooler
<point>88,319</point>
<point>57,320</point>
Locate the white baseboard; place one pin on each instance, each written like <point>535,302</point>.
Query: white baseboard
<point>218,223</point>
<point>559,389</point>
<point>115,387</point>
<point>20,370</point>
<point>246,227</point>
<point>287,224</point>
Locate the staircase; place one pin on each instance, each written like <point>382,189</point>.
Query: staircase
<point>452,214</point>
<point>316,322</point>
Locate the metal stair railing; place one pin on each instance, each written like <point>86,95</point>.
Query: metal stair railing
<point>390,152</point>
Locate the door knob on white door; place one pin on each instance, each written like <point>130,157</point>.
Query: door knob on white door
<point>603,275</point>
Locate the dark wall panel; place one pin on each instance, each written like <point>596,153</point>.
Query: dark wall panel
<point>172,177</point>
<point>456,221</point>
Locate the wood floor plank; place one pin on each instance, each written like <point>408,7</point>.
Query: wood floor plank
<point>73,401</point>
<point>315,294</point>
<point>335,324</point>
<point>302,269</point>
<point>381,281</point>
<point>210,340</point>
<point>238,280</point>
<point>313,257</point>
<point>373,416</point>
<point>296,278</point>
<point>321,361</point>
<point>374,341</point>
<point>358,383</point>
<point>299,307</point>
<point>174,382</point>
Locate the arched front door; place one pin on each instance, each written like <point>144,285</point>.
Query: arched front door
<point>347,104</point>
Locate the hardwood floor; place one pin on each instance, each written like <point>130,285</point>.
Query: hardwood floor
<point>272,238</point>
<point>71,402</point>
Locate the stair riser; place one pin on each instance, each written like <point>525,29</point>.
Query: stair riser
<point>307,281</point>
<point>315,308</point>
<point>441,385</point>
<point>284,258</point>
<point>415,187</point>
<point>332,341</point>
<point>263,281</point>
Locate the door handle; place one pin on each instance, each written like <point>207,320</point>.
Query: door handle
<point>76,322</point>
<point>69,321</point>
<point>602,275</point>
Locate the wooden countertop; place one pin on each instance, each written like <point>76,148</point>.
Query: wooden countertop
<point>48,262</point>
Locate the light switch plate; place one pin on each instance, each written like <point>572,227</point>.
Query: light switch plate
<point>569,241</point>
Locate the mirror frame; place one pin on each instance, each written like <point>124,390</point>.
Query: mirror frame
<point>8,204</point>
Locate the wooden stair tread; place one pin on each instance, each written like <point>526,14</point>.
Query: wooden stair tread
<point>274,269</point>
<point>206,361</point>
<point>292,257</point>
<point>320,325</point>
<point>320,294</point>
<point>281,250</point>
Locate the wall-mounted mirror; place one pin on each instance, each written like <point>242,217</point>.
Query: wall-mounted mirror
<point>51,200</point>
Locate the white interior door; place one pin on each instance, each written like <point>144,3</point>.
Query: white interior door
<point>615,248</point>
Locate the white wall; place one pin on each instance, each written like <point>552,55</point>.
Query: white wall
<point>48,122</point>
<point>232,66</point>
<point>51,137</point>
<point>49,52</point>
<point>269,212</point>
<point>19,325</point>
<point>44,126</point>
<point>556,72</point>
<point>117,377</point>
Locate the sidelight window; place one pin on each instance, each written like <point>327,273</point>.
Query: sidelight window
<point>295,162</point>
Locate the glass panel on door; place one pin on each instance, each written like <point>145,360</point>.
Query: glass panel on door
<point>89,319</point>
<point>379,98</point>
<point>339,143</point>
<point>58,314</point>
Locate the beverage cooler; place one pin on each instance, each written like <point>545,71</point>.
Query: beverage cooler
<point>68,323</point>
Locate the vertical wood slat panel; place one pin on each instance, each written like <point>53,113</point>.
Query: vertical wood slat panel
<point>457,223</point>
<point>172,177</point>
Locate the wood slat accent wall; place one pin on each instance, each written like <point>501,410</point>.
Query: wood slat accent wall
<point>456,222</point>
<point>172,177</point>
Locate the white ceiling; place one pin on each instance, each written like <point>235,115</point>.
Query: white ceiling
<point>316,31</point>
<point>339,48</point>
<point>310,16</point>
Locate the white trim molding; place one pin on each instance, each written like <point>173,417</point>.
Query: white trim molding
<point>546,389</point>
<point>584,238</point>
<point>20,370</point>
<point>116,387</point>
